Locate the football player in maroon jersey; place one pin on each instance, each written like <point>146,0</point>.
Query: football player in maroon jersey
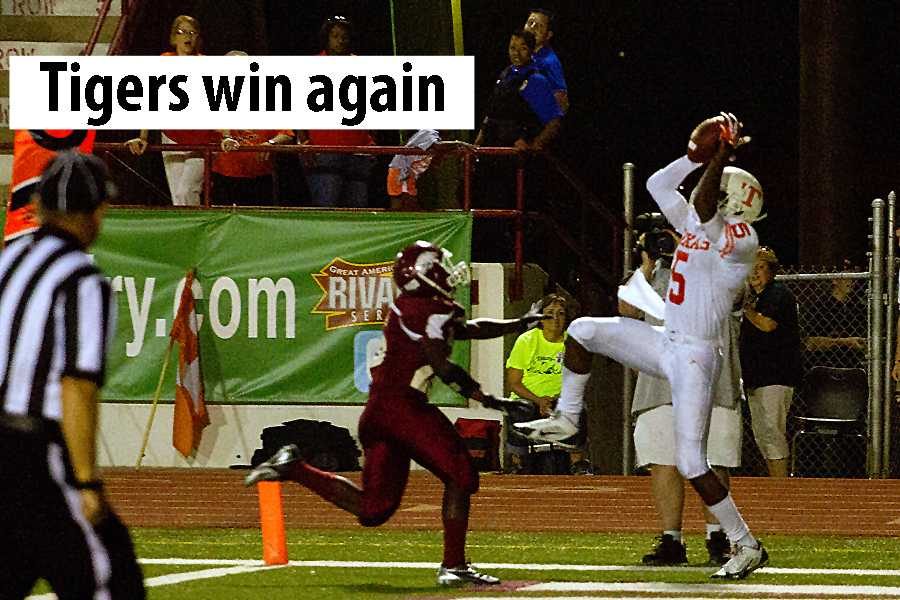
<point>398,424</point>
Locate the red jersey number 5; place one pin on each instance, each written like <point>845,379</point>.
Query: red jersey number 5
<point>676,287</point>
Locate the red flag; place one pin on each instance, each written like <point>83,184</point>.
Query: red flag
<point>190,405</point>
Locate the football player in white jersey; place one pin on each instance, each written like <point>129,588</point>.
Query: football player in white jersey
<point>717,250</point>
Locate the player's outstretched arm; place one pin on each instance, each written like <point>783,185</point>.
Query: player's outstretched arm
<point>437,354</point>
<point>485,329</point>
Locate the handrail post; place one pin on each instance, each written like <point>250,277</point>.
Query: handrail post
<point>890,333</point>
<point>467,181</point>
<point>628,374</point>
<point>517,288</point>
<point>876,399</point>
<point>98,26</point>
<point>207,176</point>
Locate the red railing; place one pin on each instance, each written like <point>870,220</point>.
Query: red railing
<point>516,214</point>
<point>102,12</point>
<point>589,205</point>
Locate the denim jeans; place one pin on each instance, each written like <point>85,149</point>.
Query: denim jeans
<point>340,179</point>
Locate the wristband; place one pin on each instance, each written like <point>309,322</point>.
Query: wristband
<point>90,484</point>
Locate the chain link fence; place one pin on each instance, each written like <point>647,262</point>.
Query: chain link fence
<point>834,319</point>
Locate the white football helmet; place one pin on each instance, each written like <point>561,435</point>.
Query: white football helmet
<point>742,195</point>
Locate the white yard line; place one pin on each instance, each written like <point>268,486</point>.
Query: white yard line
<point>189,576</point>
<point>711,588</point>
<point>516,566</point>
<point>227,567</point>
<point>204,574</point>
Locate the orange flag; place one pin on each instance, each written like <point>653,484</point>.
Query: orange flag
<point>190,406</point>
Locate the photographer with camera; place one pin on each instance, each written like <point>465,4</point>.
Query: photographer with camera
<point>653,419</point>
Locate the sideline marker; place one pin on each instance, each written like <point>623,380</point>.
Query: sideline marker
<point>271,518</point>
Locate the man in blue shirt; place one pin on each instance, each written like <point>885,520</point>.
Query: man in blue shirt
<point>540,23</point>
<point>522,111</point>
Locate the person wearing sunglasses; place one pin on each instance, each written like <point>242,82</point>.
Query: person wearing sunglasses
<point>184,170</point>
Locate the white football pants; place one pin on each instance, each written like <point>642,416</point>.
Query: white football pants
<point>690,364</point>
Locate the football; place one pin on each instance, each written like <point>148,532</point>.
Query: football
<point>704,140</point>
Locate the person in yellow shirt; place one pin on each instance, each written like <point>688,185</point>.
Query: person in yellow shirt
<point>534,366</point>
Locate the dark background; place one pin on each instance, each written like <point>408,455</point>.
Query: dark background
<point>813,80</point>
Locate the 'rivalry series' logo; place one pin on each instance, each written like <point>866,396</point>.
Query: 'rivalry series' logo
<point>354,294</point>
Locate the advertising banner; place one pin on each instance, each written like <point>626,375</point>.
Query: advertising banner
<point>290,303</point>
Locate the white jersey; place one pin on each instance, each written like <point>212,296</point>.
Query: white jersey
<point>711,263</point>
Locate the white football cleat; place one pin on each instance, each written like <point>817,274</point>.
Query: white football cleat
<point>464,575</point>
<point>744,560</point>
<point>556,428</point>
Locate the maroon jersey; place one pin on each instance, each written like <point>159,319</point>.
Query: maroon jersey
<point>413,318</point>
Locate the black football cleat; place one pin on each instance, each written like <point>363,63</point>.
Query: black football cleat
<point>276,467</point>
<point>668,552</point>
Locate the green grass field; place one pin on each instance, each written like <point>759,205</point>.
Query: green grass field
<point>621,553</point>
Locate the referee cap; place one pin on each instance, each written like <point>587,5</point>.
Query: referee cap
<point>75,183</point>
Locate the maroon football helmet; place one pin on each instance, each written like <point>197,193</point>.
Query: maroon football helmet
<point>425,269</point>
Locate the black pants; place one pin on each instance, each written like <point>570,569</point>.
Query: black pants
<point>44,536</point>
<point>241,191</point>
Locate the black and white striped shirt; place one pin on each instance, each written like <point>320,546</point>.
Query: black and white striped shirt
<point>56,320</point>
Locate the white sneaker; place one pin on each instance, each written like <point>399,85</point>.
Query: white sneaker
<point>555,428</point>
<point>463,575</point>
<point>744,560</point>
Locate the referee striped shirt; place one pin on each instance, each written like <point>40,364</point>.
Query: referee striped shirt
<point>56,319</point>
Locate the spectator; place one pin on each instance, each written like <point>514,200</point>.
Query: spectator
<point>835,328</point>
<point>338,179</point>
<point>522,111</point>
<point>654,434</point>
<point>33,150</point>
<point>184,170</point>
<point>405,169</point>
<point>542,24</point>
<point>770,359</point>
<point>245,177</point>
<point>534,367</point>
<point>57,317</point>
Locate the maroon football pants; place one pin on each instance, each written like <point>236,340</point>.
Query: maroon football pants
<point>397,427</point>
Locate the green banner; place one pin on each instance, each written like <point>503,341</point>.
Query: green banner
<point>291,303</point>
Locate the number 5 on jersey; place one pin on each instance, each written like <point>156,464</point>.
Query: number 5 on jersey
<point>677,282</point>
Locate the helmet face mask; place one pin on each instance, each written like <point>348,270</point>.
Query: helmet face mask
<point>742,195</point>
<point>424,268</point>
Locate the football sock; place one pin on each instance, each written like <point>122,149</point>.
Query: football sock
<point>571,398</point>
<point>733,523</point>
<point>675,533</point>
<point>338,490</point>
<point>455,541</point>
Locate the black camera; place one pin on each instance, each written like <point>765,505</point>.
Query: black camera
<point>655,235</point>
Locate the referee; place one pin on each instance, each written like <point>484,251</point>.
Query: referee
<point>56,319</point>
